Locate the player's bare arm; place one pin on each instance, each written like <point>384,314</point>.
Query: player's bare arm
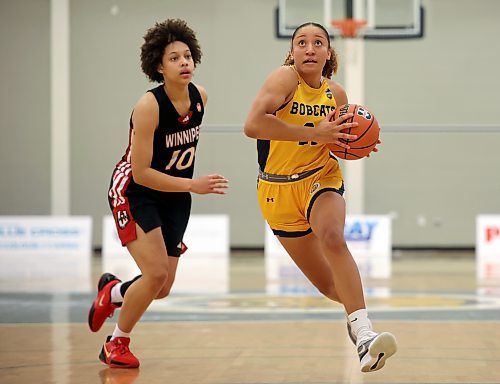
<point>276,91</point>
<point>339,92</point>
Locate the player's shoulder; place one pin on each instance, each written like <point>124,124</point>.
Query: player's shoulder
<point>203,92</point>
<point>283,79</point>
<point>335,85</point>
<point>147,103</point>
<point>200,88</point>
<point>285,73</point>
<point>338,91</point>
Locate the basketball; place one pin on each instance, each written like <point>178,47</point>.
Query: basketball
<point>367,131</point>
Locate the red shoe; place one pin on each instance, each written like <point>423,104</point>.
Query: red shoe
<point>102,307</point>
<point>116,353</point>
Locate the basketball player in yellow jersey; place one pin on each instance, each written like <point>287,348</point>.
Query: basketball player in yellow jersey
<point>300,184</point>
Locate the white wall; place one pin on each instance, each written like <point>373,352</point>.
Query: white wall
<point>446,78</point>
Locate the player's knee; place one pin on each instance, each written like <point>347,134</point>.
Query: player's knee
<point>333,238</point>
<point>164,292</point>
<point>157,278</point>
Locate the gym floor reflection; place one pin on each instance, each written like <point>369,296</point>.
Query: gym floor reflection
<point>447,324</point>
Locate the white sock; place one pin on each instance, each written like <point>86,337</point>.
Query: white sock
<point>116,295</point>
<point>355,312</point>
<point>361,325</point>
<point>119,333</point>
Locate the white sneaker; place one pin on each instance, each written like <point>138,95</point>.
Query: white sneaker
<point>373,352</point>
<point>352,336</point>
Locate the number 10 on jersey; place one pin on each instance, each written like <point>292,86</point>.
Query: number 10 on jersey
<point>181,159</point>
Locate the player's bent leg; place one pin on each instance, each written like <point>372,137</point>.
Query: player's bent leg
<point>327,221</point>
<point>150,254</point>
<point>306,252</point>
<point>172,269</point>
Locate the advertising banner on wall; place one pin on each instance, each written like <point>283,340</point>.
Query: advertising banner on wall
<point>488,247</point>
<point>46,253</point>
<point>368,238</point>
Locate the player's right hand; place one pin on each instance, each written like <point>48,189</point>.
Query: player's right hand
<point>209,184</point>
<point>328,131</point>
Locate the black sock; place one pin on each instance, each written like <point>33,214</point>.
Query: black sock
<point>127,284</point>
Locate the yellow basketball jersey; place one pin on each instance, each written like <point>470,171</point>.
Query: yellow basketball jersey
<point>308,107</point>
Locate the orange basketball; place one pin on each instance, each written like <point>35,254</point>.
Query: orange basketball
<point>367,131</point>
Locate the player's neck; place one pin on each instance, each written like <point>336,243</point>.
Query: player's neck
<point>313,80</point>
<point>176,92</point>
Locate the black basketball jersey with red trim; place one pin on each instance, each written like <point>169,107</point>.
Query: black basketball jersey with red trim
<point>176,137</point>
<point>174,144</point>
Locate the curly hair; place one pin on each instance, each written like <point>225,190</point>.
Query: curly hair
<point>161,35</point>
<point>331,64</point>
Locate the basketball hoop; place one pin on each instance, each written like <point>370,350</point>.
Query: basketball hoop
<point>348,27</point>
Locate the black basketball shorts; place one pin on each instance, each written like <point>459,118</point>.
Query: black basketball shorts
<point>150,210</point>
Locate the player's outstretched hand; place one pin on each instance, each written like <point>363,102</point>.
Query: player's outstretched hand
<point>329,131</point>
<point>210,184</point>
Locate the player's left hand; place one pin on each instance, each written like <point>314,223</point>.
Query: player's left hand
<point>209,184</point>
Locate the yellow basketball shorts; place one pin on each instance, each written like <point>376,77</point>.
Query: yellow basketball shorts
<point>286,206</point>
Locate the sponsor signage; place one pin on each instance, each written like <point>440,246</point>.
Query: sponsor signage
<point>488,247</point>
<point>46,251</point>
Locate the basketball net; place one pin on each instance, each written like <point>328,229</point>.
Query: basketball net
<point>349,28</point>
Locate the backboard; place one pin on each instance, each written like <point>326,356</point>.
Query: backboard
<point>385,19</point>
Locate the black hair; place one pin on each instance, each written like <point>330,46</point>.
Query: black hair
<point>161,35</point>
<point>331,64</point>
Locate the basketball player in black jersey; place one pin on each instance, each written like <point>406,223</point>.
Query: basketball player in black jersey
<point>150,187</point>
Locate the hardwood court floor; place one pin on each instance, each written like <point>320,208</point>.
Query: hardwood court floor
<point>447,325</point>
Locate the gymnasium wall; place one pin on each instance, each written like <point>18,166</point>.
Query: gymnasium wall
<point>24,107</point>
<point>433,174</point>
